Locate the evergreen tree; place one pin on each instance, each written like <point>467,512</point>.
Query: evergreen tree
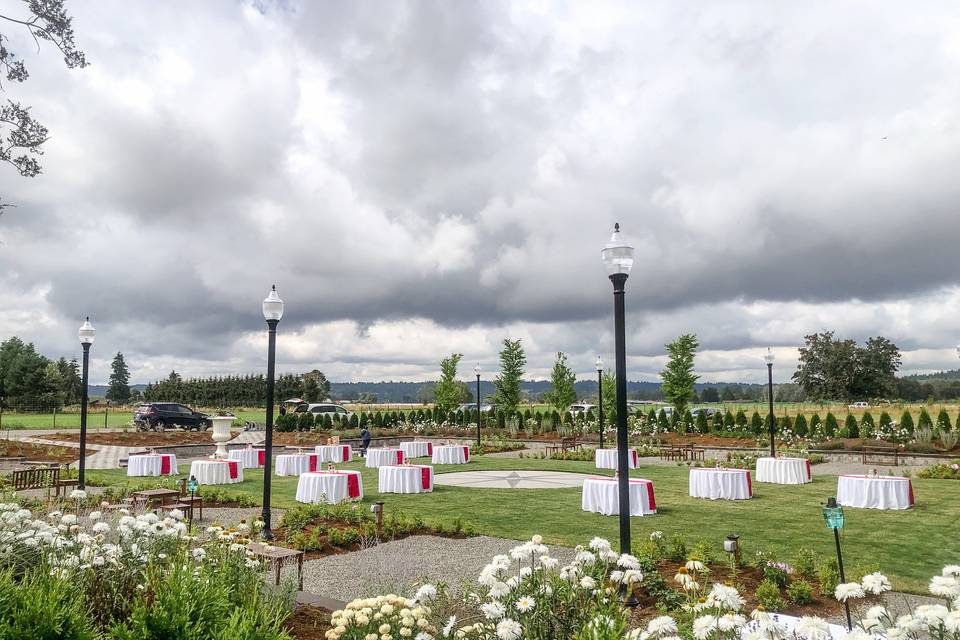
<point>741,420</point>
<point>924,421</point>
<point>728,421</point>
<point>663,424</point>
<point>885,420</point>
<point>563,382</point>
<point>830,425</point>
<point>850,427</point>
<point>718,422</point>
<point>608,383</point>
<point>678,377</point>
<point>815,425</point>
<point>756,424</point>
<point>943,420</point>
<point>447,392</point>
<point>119,390</point>
<point>507,384</point>
<point>786,424</point>
<point>800,426</point>
<point>906,422</point>
<point>867,426</point>
<point>702,425</point>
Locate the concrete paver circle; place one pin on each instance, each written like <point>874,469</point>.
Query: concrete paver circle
<point>511,479</point>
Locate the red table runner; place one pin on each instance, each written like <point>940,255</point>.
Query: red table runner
<point>312,457</point>
<point>749,485</point>
<point>353,483</point>
<point>466,454</point>
<point>650,498</point>
<point>809,473</point>
<point>345,455</point>
<point>165,465</point>
<point>429,448</point>
<point>634,452</point>
<point>425,477</point>
<point>399,457</point>
<point>232,465</point>
<point>261,457</point>
<point>910,485</point>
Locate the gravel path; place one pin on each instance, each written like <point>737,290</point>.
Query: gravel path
<point>396,567</point>
<point>228,516</point>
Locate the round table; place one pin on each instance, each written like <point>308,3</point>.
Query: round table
<point>293,464</point>
<point>883,492</point>
<point>607,458</point>
<point>216,471</point>
<point>414,478</point>
<point>329,486</point>
<point>417,449</point>
<point>451,454</point>
<point>784,470</point>
<point>383,456</point>
<point>720,484</point>
<point>152,464</point>
<point>334,452</point>
<point>601,494</point>
<point>248,458</point>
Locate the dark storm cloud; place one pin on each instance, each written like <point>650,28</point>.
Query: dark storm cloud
<point>463,163</point>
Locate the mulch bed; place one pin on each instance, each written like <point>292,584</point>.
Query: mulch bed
<point>705,440</point>
<point>40,452</point>
<point>138,438</point>
<point>308,622</point>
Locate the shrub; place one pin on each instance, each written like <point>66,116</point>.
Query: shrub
<point>850,427</point>
<point>805,563</point>
<point>906,422</point>
<point>662,423</point>
<point>728,420</point>
<point>305,421</point>
<point>768,596</point>
<point>702,425</point>
<point>786,424</point>
<point>800,592</point>
<point>327,421</point>
<point>42,607</point>
<point>867,427</point>
<point>924,421</point>
<point>815,423</point>
<point>943,420</point>
<point>829,576</point>
<point>286,422</point>
<point>756,424</point>
<point>717,422</point>
<point>942,471</point>
<point>800,426</point>
<point>678,551</point>
<point>741,420</point>
<point>777,574</point>
<point>830,425</point>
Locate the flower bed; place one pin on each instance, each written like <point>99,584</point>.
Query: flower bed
<point>39,452</point>
<point>942,471</point>
<point>137,438</point>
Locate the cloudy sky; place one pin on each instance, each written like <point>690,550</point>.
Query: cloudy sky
<point>429,177</point>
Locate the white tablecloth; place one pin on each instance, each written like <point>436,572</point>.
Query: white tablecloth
<point>720,484</point>
<point>415,478</point>
<point>152,465</point>
<point>884,492</point>
<point>457,454</point>
<point>784,470</point>
<point>248,458</point>
<point>602,495</point>
<point>383,456</point>
<point>417,449</point>
<point>293,464</point>
<point>607,458</point>
<point>335,452</point>
<point>329,487</point>
<point>216,471</point>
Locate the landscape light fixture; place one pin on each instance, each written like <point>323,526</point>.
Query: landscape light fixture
<point>600,396</point>
<point>476,371</point>
<point>768,358</point>
<point>272,312</point>
<point>617,257</point>
<point>87,335</point>
<point>833,517</point>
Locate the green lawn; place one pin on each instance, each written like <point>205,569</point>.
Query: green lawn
<point>910,546</point>
<point>114,419</point>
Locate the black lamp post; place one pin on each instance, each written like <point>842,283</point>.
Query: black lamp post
<point>272,312</point>
<point>600,397</point>
<point>87,334</point>
<point>476,370</point>
<point>617,257</point>
<point>833,516</point>
<point>768,358</point>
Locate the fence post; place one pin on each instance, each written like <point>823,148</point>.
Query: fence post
<point>54,417</point>
<point>106,410</point>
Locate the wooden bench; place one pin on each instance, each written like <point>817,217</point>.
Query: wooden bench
<point>47,477</point>
<point>881,455</point>
<point>670,452</point>
<point>565,444</point>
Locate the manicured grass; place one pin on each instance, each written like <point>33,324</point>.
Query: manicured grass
<point>115,419</point>
<point>910,546</point>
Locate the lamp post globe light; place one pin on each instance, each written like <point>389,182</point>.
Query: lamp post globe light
<point>600,397</point>
<point>272,312</point>
<point>617,257</point>
<point>833,517</point>
<point>476,370</point>
<point>87,335</point>
<point>768,358</point>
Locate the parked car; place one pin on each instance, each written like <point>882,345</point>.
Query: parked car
<point>709,411</point>
<point>858,405</point>
<point>581,408</point>
<point>158,416</point>
<point>324,408</point>
<point>485,407</point>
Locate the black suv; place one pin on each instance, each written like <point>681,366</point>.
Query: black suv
<point>160,415</point>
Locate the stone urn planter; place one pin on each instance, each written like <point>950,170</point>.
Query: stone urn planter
<point>221,433</point>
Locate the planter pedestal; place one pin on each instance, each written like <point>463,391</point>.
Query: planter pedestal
<point>221,433</point>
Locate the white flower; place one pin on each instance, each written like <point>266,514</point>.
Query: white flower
<point>704,626</point>
<point>199,554</point>
<point>945,586</point>
<point>498,590</point>
<point>78,494</point>
<point>68,520</point>
<point>730,621</point>
<point>452,620</point>
<point>508,629</point>
<point>695,565</point>
<point>931,615</point>
<point>588,583</point>
<point>951,570</point>
<point>599,544</point>
<point>537,539</point>
<point>492,610</point>
<point>526,603</point>
<point>656,535</point>
<point>627,561</point>
<point>662,625</point>
<point>812,628</point>
<point>875,583</point>
<point>426,593</point>
<point>94,516</point>
<point>848,591</point>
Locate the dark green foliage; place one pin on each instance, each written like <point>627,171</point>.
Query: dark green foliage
<point>42,607</point>
<point>354,421</point>
<point>885,420</point>
<point>850,427</point>
<point>906,422</point>
<point>924,421</point>
<point>756,423</point>
<point>702,425</point>
<point>830,426</point>
<point>805,564</point>
<point>286,422</point>
<point>800,426</point>
<point>867,427</point>
<point>815,424</point>
<point>718,422</point>
<point>327,422</point>
<point>662,423</point>
<point>800,592</point>
<point>305,421</point>
<point>943,420</point>
<point>786,424</point>
<point>728,420</point>
<point>828,574</point>
<point>777,576</point>
<point>741,420</point>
